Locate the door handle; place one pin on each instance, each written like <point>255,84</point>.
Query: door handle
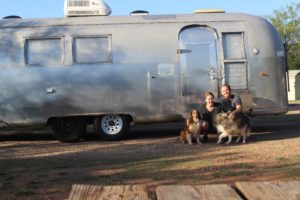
<point>51,90</point>
<point>212,73</point>
<point>182,51</point>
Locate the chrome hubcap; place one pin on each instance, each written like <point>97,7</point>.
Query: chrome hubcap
<point>111,124</point>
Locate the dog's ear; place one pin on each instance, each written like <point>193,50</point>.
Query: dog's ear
<point>198,113</point>
<point>191,116</point>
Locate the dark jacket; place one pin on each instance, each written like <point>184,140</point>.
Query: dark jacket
<point>207,115</point>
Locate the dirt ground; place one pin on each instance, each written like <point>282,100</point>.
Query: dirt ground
<point>33,165</point>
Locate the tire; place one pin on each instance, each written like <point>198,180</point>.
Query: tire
<point>68,129</point>
<point>112,127</point>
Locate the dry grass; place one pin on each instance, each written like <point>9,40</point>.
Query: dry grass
<point>36,166</point>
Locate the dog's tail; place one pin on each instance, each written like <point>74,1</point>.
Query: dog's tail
<point>181,137</point>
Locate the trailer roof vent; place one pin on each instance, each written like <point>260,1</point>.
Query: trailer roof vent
<point>86,8</point>
<point>200,11</point>
<point>12,17</point>
<point>139,12</point>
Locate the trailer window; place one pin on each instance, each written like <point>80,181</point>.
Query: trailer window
<point>46,51</point>
<point>235,69</point>
<point>235,75</point>
<point>233,44</point>
<point>91,50</point>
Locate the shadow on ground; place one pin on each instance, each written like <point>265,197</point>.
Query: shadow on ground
<point>263,128</point>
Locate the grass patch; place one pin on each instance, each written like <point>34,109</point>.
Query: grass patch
<point>63,173</point>
<point>7,185</point>
<point>243,165</point>
<point>191,165</point>
<point>63,166</point>
<point>282,159</point>
<point>232,173</point>
<point>9,178</point>
<point>2,174</point>
<point>57,179</point>
<point>34,183</point>
<point>28,191</point>
<point>245,173</point>
<point>42,165</point>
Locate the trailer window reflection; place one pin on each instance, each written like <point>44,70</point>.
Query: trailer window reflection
<point>233,45</point>
<point>198,60</point>
<point>235,68</point>
<point>92,50</point>
<point>43,51</point>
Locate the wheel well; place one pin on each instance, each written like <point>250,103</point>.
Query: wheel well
<point>130,118</point>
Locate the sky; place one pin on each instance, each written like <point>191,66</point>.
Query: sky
<point>55,8</point>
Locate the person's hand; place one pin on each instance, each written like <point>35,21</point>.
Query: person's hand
<point>231,115</point>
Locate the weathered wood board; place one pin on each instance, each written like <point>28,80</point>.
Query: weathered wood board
<point>270,190</point>
<point>119,192</point>
<point>208,192</point>
<point>250,190</point>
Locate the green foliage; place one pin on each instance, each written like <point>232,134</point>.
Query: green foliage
<point>287,22</point>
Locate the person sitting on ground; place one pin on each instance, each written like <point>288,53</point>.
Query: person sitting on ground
<point>231,104</point>
<point>207,111</point>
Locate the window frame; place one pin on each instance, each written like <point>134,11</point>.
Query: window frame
<point>243,60</point>
<point>243,44</point>
<point>109,49</point>
<point>62,45</point>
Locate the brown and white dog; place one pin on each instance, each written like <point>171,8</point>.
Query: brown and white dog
<point>192,128</point>
<point>238,126</point>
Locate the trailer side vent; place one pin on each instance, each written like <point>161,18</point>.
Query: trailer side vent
<point>86,8</point>
<point>139,12</point>
<point>12,17</point>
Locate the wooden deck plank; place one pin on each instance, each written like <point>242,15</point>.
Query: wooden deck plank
<point>220,191</point>
<point>208,192</point>
<point>118,192</point>
<point>270,190</point>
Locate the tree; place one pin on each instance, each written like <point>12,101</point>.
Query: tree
<point>287,22</point>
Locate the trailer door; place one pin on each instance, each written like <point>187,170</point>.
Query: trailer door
<point>198,63</point>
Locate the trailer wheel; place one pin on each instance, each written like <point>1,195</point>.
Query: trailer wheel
<point>68,129</point>
<point>112,127</point>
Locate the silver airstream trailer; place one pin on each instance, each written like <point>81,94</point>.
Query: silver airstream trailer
<point>116,71</point>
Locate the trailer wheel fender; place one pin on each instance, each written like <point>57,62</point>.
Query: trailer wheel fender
<point>68,129</point>
<point>112,126</point>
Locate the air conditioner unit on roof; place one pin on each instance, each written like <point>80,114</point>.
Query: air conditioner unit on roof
<point>86,8</point>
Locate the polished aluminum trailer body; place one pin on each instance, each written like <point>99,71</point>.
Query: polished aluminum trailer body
<point>151,68</point>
